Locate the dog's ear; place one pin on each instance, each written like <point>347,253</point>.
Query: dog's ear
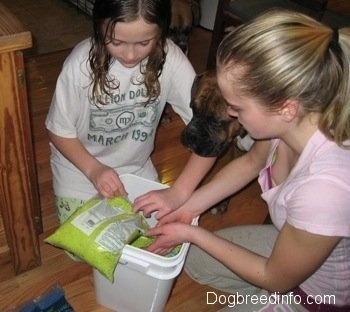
<point>194,87</point>
<point>207,96</point>
<point>195,84</point>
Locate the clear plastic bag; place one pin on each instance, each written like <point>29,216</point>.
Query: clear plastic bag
<point>97,232</point>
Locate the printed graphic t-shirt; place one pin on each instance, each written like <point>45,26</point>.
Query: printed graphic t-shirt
<point>120,133</point>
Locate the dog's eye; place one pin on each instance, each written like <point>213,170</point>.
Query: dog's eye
<point>215,123</point>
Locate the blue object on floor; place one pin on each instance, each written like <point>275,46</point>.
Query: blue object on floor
<point>51,301</point>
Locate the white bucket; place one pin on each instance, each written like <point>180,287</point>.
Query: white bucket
<point>142,280</point>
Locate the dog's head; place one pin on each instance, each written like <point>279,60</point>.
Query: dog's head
<point>179,35</point>
<point>211,129</point>
<point>184,15</point>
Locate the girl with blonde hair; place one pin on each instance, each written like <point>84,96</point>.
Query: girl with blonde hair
<point>286,78</point>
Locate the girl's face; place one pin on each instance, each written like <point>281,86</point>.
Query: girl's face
<point>132,42</point>
<point>257,121</point>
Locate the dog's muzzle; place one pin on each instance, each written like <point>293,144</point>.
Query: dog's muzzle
<point>206,137</point>
<point>179,36</point>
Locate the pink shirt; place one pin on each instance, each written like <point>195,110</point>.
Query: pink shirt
<point>315,197</point>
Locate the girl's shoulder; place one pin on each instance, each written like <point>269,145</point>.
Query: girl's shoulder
<point>324,160</point>
<point>174,53</point>
<point>80,52</point>
<point>76,64</point>
<point>322,149</point>
<point>177,64</point>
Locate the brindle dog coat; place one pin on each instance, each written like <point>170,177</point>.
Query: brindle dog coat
<point>211,129</point>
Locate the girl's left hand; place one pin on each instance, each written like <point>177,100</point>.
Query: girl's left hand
<point>168,236</point>
<point>107,181</point>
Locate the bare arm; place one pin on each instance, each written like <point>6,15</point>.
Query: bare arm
<point>104,178</point>
<point>193,173</point>
<point>227,181</point>
<point>230,179</point>
<point>165,201</point>
<point>296,254</point>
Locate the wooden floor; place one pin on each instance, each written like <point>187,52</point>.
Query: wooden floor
<point>169,157</point>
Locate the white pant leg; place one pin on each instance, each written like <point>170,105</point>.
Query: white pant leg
<point>206,270</point>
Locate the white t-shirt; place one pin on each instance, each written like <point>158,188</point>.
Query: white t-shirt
<point>121,133</point>
<point>316,198</point>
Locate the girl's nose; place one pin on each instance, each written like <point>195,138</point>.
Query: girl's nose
<point>129,53</point>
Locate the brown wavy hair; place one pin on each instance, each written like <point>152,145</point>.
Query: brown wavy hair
<point>106,13</point>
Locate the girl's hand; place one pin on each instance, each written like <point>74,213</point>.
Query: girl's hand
<point>180,215</point>
<point>168,236</point>
<point>163,201</point>
<point>107,182</point>
<point>104,178</point>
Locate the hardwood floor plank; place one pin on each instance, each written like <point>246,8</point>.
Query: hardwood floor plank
<point>245,207</point>
<point>27,286</point>
<point>76,279</point>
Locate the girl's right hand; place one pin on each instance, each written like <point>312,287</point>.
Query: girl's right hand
<point>168,236</point>
<point>163,201</point>
<point>104,178</point>
<point>181,215</point>
<point>107,182</point>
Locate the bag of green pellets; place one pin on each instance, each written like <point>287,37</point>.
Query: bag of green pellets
<point>97,232</point>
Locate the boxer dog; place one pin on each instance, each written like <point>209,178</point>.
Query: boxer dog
<point>211,132</point>
<point>184,15</point>
<point>211,129</point>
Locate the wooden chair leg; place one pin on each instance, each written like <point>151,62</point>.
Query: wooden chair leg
<point>217,33</point>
